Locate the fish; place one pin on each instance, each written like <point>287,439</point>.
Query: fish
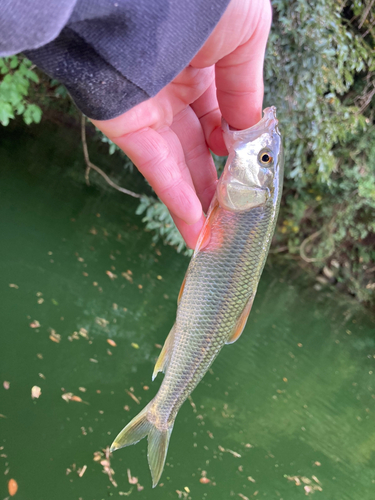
<point>221,281</point>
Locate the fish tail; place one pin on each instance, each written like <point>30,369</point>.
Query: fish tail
<point>158,441</point>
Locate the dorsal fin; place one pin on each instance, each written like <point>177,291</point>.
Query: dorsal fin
<point>241,323</point>
<point>165,355</point>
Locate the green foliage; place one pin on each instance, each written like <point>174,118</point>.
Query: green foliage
<point>320,73</point>
<point>17,75</point>
<point>158,220</point>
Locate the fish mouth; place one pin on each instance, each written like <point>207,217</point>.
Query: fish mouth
<point>267,125</point>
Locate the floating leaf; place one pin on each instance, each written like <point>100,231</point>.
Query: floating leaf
<point>204,480</point>
<point>69,396</point>
<point>55,337</point>
<point>82,470</point>
<point>101,322</point>
<point>6,384</point>
<point>34,324</point>
<point>35,392</point>
<point>12,487</point>
<point>111,342</point>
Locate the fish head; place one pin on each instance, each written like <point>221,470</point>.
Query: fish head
<point>253,172</point>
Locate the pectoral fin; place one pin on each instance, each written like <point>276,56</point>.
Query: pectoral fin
<point>205,234</point>
<point>241,322</point>
<point>181,291</point>
<point>164,357</point>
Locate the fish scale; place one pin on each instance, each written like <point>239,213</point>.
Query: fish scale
<point>221,280</point>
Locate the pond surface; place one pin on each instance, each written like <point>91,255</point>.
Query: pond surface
<point>87,299</point>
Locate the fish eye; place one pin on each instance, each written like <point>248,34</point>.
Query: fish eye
<point>265,157</point>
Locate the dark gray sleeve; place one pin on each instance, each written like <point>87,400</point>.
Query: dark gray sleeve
<point>29,24</point>
<point>112,55</point>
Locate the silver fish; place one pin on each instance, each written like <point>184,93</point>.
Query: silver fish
<point>221,281</point>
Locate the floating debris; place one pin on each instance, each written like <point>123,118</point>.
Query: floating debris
<point>69,396</point>
<point>35,324</point>
<point>84,333</point>
<point>309,485</point>
<point>204,480</point>
<point>234,453</point>
<point>42,376</point>
<point>111,275</point>
<point>93,360</point>
<point>112,343</point>
<point>101,322</point>
<point>251,479</point>
<point>131,479</point>
<point>128,276</point>
<point>35,392</point>
<point>243,496</point>
<point>13,285</point>
<point>134,398</point>
<point>82,470</point>
<point>12,487</point>
<point>104,457</point>
<point>6,384</point>
<point>55,337</point>
<point>125,493</point>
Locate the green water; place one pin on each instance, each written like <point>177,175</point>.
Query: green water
<point>294,397</point>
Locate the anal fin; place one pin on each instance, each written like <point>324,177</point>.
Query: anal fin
<point>164,357</point>
<point>236,334</point>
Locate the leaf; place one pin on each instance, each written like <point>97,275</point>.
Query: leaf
<point>35,392</point>
<point>12,487</point>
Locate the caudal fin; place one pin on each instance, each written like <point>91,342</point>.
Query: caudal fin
<point>158,441</point>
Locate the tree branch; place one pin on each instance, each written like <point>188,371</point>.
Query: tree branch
<point>90,165</point>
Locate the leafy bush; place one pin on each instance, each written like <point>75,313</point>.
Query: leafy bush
<point>17,75</point>
<point>320,73</point>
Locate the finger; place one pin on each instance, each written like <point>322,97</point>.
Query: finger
<point>239,77</point>
<point>207,110</point>
<point>189,232</point>
<point>153,156</point>
<point>198,159</point>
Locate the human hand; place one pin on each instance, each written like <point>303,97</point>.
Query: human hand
<point>168,136</point>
